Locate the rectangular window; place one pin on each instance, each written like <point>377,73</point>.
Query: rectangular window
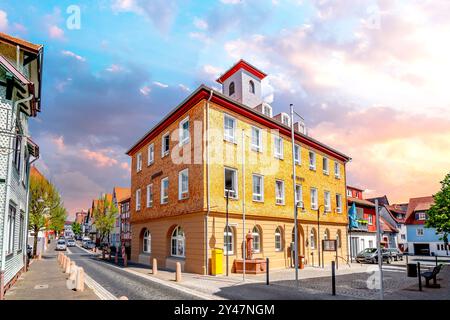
<point>138,199</point>
<point>337,171</point>
<point>230,183</point>
<point>327,200</point>
<point>21,230</point>
<point>138,162</point>
<point>184,131</point>
<point>278,147</point>
<point>267,110</point>
<point>338,203</point>
<point>229,127</point>
<point>256,139</point>
<point>11,229</point>
<point>279,191</point>
<point>151,154</point>
<point>325,165</point>
<point>419,232</point>
<point>314,198</point>
<point>349,193</point>
<point>370,219</point>
<point>312,160</point>
<point>164,190</point>
<point>165,145</point>
<point>299,196</point>
<point>297,155</point>
<point>285,119</point>
<point>258,188</point>
<point>17,151</point>
<point>183,184</point>
<point>149,195</point>
<point>422,216</point>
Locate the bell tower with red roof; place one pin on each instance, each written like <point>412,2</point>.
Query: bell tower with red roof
<point>242,82</point>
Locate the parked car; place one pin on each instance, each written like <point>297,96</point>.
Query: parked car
<point>71,243</point>
<point>395,254</point>
<point>61,245</point>
<point>370,255</point>
<point>90,245</point>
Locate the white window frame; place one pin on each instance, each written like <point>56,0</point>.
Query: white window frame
<point>337,170</point>
<point>421,233</point>
<point>327,200</point>
<point>138,199</point>
<point>183,194</point>
<point>314,160</point>
<point>151,154</point>
<point>226,136</point>
<point>255,196</point>
<point>285,116</point>
<point>180,241</point>
<point>11,231</point>
<point>297,154</point>
<point>279,201</point>
<point>256,235</point>
<point>139,162</point>
<point>257,147</point>
<point>315,203</point>
<point>370,219</point>
<point>147,239</point>
<point>312,239</point>
<point>338,203</point>
<point>278,141</point>
<point>278,239</point>
<point>422,216</point>
<point>164,198</point>
<point>301,204</point>
<point>184,139</point>
<point>326,170</point>
<point>267,107</point>
<point>228,233</point>
<point>167,152</point>
<point>150,195</point>
<point>235,183</point>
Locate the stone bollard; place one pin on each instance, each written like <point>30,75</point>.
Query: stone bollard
<point>63,261</point>
<point>73,267</point>
<point>123,298</point>
<point>79,283</point>
<point>68,262</point>
<point>178,273</point>
<point>71,281</point>
<point>154,266</point>
<point>40,256</point>
<point>59,257</point>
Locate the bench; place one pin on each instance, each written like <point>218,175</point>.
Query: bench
<point>432,275</point>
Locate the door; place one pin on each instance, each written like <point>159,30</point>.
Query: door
<point>422,249</point>
<point>355,246</point>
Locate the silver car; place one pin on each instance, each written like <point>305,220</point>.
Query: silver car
<point>61,245</point>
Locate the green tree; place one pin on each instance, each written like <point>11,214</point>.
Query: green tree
<point>76,228</point>
<point>104,217</point>
<point>439,213</point>
<point>44,200</point>
<point>57,219</point>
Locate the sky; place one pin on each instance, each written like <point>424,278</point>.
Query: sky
<point>369,77</point>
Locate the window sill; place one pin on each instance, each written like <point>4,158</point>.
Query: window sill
<point>149,164</point>
<point>312,169</point>
<point>337,177</point>
<point>183,199</point>
<point>9,256</point>
<point>164,203</point>
<point>177,258</point>
<point>280,204</point>
<point>279,158</point>
<point>326,173</point>
<point>259,201</point>
<point>165,155</point>
<point>230,141</point>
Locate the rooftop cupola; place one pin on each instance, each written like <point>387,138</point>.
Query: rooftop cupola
<point>242,82</point>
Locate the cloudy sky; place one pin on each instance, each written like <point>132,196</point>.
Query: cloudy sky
<point>369,77</point>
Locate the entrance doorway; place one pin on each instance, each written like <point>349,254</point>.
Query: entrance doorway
<point>422,249</point>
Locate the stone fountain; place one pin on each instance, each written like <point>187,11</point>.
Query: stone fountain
<point>252,265</point>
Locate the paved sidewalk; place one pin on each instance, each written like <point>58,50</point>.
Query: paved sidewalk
<point>46,281</point>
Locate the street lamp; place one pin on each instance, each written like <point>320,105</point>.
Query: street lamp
<point>318,234</point>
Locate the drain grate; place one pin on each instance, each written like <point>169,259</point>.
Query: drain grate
<point>41,286</point>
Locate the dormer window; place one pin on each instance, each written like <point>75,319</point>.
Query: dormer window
<point>267,110</point>
<point>251,86</point>
<point>231,89</point>
<point>285,119</point>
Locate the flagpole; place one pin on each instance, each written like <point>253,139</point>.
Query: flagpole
<point>294,179</point>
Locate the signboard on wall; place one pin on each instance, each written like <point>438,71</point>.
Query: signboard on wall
<point>329,245</point>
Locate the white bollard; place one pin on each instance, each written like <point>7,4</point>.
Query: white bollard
<point>67,269</point>
<point>178,273</point>
<point>71,282</point>
<point>80,279</point>
<point>154,266</point>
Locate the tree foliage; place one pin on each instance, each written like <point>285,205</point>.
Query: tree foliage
<point>439,213</point>
<point>46,209</point>
<point>104,217</point>
<point>76,228</point>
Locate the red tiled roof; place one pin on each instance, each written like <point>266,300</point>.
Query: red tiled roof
<point>361,202</point>
<point>17,41</point>
<point>244,65</point>
<point>122,193</point>
<point>418,204</point>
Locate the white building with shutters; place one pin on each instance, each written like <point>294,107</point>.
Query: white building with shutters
<point>20,87</point>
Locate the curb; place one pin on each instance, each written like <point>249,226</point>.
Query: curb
<point>192,292</point>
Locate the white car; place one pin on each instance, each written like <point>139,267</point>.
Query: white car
<point>71,243</point>
<point>61,245</point>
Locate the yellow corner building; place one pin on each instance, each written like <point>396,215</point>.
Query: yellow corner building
<point>217,144</point>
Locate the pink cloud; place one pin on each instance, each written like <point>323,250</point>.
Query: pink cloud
<point>101,159</point>
<point>3,20</point>
<point>55,32</point>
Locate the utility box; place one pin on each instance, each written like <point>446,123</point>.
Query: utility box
<point>411,270</point>
<point>216,261</point>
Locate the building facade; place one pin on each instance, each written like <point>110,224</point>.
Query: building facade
<point>422,240</point>
<point>118,195</point>
<point>20,87</point>
<point>125,230</point>
<point>363,232</point>
<point>217,144</point>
